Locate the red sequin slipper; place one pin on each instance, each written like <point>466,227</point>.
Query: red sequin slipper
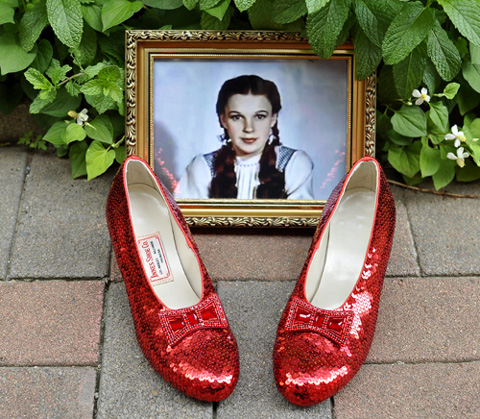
<point>328,324</point>
<point>179,321</point>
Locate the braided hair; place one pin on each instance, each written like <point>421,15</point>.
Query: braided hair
<point>272,180</point>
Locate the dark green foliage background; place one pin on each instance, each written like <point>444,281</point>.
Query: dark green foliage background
<point>68,55</point>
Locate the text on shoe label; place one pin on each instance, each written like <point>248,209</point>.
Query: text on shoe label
<point>153,258</point>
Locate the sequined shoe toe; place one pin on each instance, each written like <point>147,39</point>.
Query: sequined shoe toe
<point>327,327</point>
<point>179,321</point>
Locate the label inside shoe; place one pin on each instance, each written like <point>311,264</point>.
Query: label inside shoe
<point>153,259</point>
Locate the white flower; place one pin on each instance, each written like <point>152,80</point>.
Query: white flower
<point>460,157</point>
<point>422,96</point>
<point>82,116</point>
<point>456,135</point>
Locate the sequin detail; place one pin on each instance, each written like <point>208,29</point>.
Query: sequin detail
<point>329,323</point>
<point>204,363</point>
<point>208,314</point>
<point>308,366</point>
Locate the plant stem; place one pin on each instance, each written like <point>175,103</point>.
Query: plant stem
<point>416,188</point>
<point>70,78</point>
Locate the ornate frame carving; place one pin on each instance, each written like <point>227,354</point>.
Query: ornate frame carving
<point>237,213</point>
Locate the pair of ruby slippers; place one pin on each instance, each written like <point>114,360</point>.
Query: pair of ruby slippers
<point>328,324</point>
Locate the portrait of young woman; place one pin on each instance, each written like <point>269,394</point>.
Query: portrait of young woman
<point>239,129</point>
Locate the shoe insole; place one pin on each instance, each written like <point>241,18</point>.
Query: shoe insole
<point>158,247</point>
<point>339,260</point>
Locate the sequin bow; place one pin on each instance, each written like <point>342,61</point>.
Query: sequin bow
<point>332,324</point>
<point>206,315</point>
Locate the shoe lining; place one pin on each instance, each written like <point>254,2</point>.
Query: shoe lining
<point>338,261</point>
<point>155,228</point>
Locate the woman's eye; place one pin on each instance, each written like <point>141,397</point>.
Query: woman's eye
<point>261,116</point>
<point>235,117</point>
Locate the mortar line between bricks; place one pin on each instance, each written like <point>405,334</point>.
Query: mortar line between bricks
<point>19,209</point>
<point>410,228</point>
<point>96,396</point>
<point>465,361</point>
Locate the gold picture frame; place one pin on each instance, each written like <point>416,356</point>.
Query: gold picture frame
<point>172,80</point>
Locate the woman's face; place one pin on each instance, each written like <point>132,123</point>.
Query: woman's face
<point>248,120</point>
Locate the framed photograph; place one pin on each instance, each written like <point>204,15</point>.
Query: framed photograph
<point>246,129</point>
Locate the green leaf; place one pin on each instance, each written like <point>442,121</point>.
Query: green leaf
<point>101,129</point>
<point>56,72</point>
<point>210,22</point>
<point>74,132</point>
<point>56,133</point>
<point>444,174</point>
<point>408,73</point>
<point>85,53</point>
<point>77,159</point>
<point>260,15</point>
<point>471,73</point>
<point>243,5</point>
<point>443,53</point>
<point>410,121</point>
<point>324,27</point>
<point>32,24</point>
<point>475,148</point>
<point>475,128</point>
<point>164,4</point>
<point>430,160</point>
<point>405,160</point>
<point>44,56</point>
<point>407,31</point>
<point>13,57</point>
<point>438,115</point>
<point>6,13</point>
<point>465,15</point>
<point>219,10</point>
<point>37,79</point>
<point>115,12</point>
<point>398,139</point>
<point>101,102</point>
<point>314,6</point>
<point>65,17</point>
<point>120,154</point>
<point>474,53</point>
<point>98,159</point>
<point>286,11</point>
<point>62,104</point>
<point>92,87</point>
<point>467,99</point>
<point>93,16</point>
<point>369,22</point>
<point>207,4</point>
<point>368,55</point>
<point>41,101</point>
<point>386,85</point>
<point>469,173</point>
<point>450,90</point>
<point>431,78</point>
<point>190,4</point>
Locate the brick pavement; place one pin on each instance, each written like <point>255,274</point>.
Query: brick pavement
<point>67,347</point>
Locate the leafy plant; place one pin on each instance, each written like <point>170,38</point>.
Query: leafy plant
<point>67,56</point>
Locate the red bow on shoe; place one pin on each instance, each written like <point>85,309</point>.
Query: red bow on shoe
<point>334,325</point>
<point>179,323</point>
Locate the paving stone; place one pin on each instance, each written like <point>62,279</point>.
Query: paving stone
<point>403,259</point>
<point>61,232</point>
<point>446,231</point>
<point>12,174</point>
<point>428,319</point>
<point>58,392</point>
<point>421,391</point>
<point>254,309</point>
<point>254,254</point>
<point>129,387</point>
<point>50,322</point>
